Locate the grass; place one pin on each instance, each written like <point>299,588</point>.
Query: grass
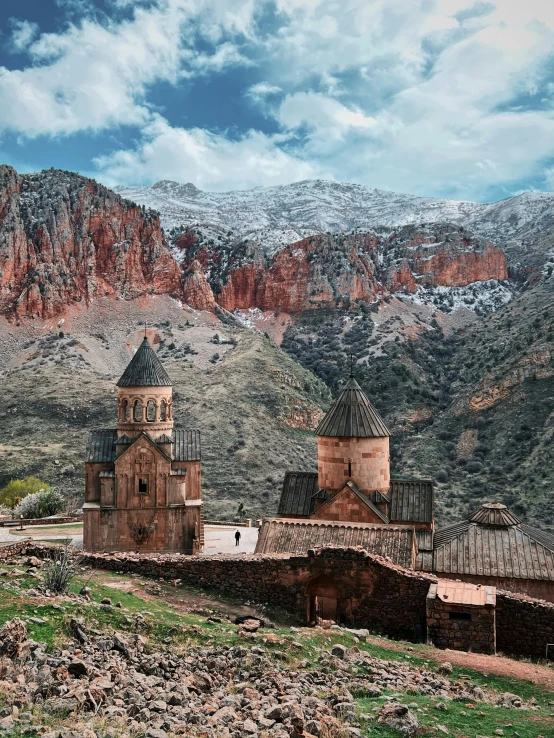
<point>171,628</point>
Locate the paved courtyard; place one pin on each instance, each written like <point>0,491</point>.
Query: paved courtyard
<point>217,538</point>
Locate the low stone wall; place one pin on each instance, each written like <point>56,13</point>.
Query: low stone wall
<point>371,592</point>
<point>14,523</point>
<point>523,625</point>
<point>13,549</point>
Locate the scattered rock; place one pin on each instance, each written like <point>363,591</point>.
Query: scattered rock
<point>399,718</point>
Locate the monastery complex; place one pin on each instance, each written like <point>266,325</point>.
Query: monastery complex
<point>143,495</point>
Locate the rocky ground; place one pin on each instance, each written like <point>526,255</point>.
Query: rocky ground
<point>95,665</point>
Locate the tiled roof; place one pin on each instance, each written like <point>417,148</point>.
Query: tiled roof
<point>464,593</point>
<point>145,369</point>
<point>411,501</point>
<point>101,445</point>
<point>186,445</point>
<point>280,535</point>
<point>352,416</point>
<point>511,551</point>
<point>298,490</point>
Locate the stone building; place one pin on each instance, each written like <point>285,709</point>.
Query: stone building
<point>352,501</point>
<point>143,478</point>
<point>352,492</point>
<point>462,616</point>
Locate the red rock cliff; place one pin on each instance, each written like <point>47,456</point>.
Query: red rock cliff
<point>334,271</point>
<point>66,239</point>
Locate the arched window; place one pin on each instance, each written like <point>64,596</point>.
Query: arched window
<point>163,410</point>
<point>138,411</point>
<point>151,411</point>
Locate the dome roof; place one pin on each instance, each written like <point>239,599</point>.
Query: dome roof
<point>495,514</point>
<point>145,369</point>
<point>352,416</point>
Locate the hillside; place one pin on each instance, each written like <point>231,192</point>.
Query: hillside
<point>252,403</point>
<point>136,656</point>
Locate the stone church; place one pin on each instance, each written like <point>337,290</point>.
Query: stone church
<point>143,478</point>
<point>352,501</point>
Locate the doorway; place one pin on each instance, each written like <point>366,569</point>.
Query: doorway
<point>323,600</point>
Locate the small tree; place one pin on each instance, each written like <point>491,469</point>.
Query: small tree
<point>40,504</point>
<point>16,489</point>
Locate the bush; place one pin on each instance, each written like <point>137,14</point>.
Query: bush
<point>442,476</point>
<point>40,504</point>
<point>474,467</point>
<point>16,489</point>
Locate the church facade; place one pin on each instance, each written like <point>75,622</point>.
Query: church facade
<point>143,477</point>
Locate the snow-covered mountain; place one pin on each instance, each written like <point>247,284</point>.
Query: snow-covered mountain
<point>275,216</point>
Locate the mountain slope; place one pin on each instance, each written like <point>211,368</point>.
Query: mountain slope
<point>275,216</point>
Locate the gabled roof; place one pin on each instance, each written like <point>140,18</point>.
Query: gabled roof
<point>363,498</point>
<point>150,440</point>
<point>411,501</point>
<point>500,549</point>
<point>298,490</point>
<point>145,369</point>
<point>352,416</point>
<point>101,445</point>
<point>280,536</point>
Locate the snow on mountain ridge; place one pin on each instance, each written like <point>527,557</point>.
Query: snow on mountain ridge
<point>279,215</point>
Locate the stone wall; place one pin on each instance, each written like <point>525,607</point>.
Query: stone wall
<point>541,590</point>
<point>523,625</point>
<point>462,627</point>
<point>372,592</point>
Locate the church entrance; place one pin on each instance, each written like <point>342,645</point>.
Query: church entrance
<point>323,600</point>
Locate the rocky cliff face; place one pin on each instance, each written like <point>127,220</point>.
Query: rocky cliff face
<point>67,239</point>
<point>336,271</point>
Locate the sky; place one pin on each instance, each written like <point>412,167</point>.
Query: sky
<point>443,98</point>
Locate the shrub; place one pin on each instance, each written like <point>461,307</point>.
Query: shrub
<point>442,476</point>
<point>16,489</point>
<point>474,467</point>
<point>40,504</point>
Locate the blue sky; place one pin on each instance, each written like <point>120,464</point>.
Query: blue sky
<point>447,98</point>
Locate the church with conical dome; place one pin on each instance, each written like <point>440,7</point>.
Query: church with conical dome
<point>143,477</point>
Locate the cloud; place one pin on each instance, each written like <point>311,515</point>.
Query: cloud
<point>23,34</point>
<point>431,96</point>
<point>211,161</point>
<point>96,75</point>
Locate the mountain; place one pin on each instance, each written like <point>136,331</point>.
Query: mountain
<point>65,240</point>
<point>277,216</point>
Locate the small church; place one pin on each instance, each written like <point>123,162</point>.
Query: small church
<point>352,501</point>
<point>143,477</point>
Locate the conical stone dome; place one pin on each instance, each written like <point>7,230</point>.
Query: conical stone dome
<point>494,514</point>
<point>145,369</point>
<point>352,416</point>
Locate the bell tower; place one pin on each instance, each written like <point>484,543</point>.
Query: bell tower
<point>145,396</point>
<point>353,444</point>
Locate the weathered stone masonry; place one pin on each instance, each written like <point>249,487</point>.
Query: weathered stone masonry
<point>371,592</point>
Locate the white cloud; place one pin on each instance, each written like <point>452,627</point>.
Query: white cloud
<point>23,33</point>
<point>212,162</point>
<point>96,75</point>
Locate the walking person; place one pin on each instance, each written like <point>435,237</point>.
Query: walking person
<point>237,538</point>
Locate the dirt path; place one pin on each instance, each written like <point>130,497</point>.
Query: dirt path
<point>542,676</point>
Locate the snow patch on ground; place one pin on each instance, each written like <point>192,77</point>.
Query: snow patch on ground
<point>480,297</point>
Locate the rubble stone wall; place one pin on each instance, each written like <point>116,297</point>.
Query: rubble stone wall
<point>462,627</point>
<point>523,625</point>
<point>372,592</point>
